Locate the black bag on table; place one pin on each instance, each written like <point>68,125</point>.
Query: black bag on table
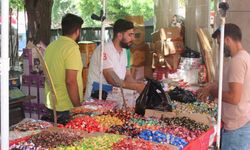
<point>182,95</point>
<point>153,97</point>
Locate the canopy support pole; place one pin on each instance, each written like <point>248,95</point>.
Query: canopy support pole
<point>4,68</point>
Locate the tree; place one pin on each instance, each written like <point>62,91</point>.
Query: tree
<point>17,4</point>
<point>39,13</point>
<point>88,7</point>
<point>116,9</point>
<point>60,8</point>
<point>39,20</point>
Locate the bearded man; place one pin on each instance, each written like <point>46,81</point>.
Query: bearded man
<point>115,71</point>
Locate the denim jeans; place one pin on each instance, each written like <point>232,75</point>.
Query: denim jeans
<point>238,139</point>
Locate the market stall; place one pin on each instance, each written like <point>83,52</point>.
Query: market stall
<point>187,123</point>
<point>100,124</point>
<point>113,133</point>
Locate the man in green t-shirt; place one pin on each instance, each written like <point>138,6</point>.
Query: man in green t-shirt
<point>64,63</point>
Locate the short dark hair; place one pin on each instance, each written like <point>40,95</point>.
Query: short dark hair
<point>70,23</point>
<point>231,30</point>
<point>122,25</point>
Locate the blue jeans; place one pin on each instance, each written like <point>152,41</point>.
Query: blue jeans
<point>238,139</point>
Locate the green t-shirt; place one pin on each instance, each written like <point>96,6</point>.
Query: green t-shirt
<point>60,55</point>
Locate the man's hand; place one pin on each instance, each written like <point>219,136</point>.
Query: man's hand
<point>206,91</point>
<point>203,93</point>
<point>114,80</point>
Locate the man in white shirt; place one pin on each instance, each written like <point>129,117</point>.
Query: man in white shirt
<point>115,70</point>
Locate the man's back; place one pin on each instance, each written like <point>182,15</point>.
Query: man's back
<point>236,116</point>
<point>60,55</point>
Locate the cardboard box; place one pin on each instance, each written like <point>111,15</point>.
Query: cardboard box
<point>84,79</point>
<point>170,62</point>
<point>158,61</point>
<point>138,73</point>
<point>138,58</point>
<point>137,20</point>
<point>139,35</point>
<point>138,55</point>
<point>168,47</point>
<point>86,48</point>
<point>162,34</point>
<point>159,114</point>
<point>148,72</point>
<point>201,118</point>
<point>139,28</point>
<point>148,57</point>
<point>140,47</point>
<point>173,61</point>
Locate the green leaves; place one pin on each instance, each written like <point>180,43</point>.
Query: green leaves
<point>17,4</point>
<point>60,8</point>
<point>115,9</point>
<point>120,8</point>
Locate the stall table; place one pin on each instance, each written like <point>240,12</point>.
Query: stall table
<point>16,109</point>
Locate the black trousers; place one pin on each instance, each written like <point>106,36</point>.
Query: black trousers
<point>62,116</point>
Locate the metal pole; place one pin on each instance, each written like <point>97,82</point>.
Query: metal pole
<point>102,48</point>
<point>5,75</point>
<point>222,31</point>
<point>220,81</point>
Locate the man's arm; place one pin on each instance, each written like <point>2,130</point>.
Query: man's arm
<point>204,92</point>
<point>236,78</point>
<point>234,94</point>
<point>129,77</point>
<point>114,80</point>
<point>72,87</point>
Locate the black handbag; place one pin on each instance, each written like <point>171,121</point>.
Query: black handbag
<point>153,97</point>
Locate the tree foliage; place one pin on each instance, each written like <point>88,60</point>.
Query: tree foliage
<point>17,4</point>
<point>116,9</point>
<point>182,3</point>
<point>131,7</point>
<point>60,8</point>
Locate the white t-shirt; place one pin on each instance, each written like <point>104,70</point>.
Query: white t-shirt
<point>111,59</point>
